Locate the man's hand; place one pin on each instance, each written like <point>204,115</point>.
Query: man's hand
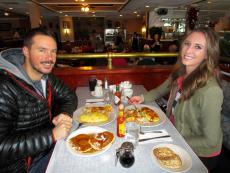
<point>63,125</point>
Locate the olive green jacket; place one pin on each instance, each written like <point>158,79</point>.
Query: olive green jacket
<point>197,119</point>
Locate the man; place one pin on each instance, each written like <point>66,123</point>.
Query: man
<point>35,107</point>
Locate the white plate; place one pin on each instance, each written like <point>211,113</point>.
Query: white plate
<point>157,110</point>
<point>79,111</point>
<point>185,158</point>
<point>86,130</point>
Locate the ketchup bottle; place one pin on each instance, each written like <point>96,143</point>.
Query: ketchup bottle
<point>121,121</point>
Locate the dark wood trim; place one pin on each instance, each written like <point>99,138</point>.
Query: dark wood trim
<point>149,76</point>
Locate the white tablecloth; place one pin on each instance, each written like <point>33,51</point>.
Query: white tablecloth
<point>62,161</point>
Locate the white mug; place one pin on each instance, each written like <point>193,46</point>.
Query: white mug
<point>98,91</point>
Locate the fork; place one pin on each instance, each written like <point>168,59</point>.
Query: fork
<point>153,131</point>
<point>79,125</point>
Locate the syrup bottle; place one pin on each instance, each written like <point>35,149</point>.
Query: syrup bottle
<point>121,121</point>
<point>117,96</point>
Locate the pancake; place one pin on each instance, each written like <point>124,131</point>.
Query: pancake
<point>101,140</point>
<point>167,157</point>
<point>91,143</point>
<point>80,143</point>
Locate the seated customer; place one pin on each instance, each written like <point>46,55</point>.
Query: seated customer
<point>195,100</point>
<point>35,106</point>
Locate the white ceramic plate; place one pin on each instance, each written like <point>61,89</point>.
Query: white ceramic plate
<point>79,111</point>
<point>157,110</point>
<point>185,158</point>
<point>86,130</point>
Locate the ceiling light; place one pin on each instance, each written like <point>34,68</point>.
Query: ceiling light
<point>120,15</point>
<point>6,14</point>
<point>147,6</point>
<point>135,12</point>
<point>10,8</point>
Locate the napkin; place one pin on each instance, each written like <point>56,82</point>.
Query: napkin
<point>152,135</point>
<point>94,101</point>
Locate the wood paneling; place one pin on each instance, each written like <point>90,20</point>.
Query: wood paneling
<point>150,77</point>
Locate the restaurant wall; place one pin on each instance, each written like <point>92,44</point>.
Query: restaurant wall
<point>66,23</point>
<point>9,25</point>
<point>133,25</point>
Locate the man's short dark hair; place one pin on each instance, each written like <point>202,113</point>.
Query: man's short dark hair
<point>33,32</point>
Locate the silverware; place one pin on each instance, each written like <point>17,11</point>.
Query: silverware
<point>79,125</point>
<point>146,139</point>
<point>153,131</point>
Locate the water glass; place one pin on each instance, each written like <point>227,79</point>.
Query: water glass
<point>132,132</point>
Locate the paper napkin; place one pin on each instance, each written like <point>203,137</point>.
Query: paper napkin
<point>152,135</point>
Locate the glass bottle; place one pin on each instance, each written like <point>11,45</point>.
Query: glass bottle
<point>117,96</point>
<point>106,92</point>
<point>121,121</point>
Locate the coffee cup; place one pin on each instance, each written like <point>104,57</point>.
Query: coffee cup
<point>98,92</point>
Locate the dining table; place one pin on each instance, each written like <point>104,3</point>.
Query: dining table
<point>62,160</point>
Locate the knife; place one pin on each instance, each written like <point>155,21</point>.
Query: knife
<point>146,139</point>
<point>94,100</point>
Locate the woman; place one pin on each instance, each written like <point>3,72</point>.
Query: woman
<point>195,100</point>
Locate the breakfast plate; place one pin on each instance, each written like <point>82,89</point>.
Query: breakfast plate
<point>95,115</point>
<point>184,157</point>
<point>73,144</point>
<point>144,115</point>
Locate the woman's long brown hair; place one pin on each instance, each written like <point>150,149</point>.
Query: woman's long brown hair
<point>208,67</point>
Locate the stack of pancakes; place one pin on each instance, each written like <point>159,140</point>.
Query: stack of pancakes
<point>91,143</point>
<point>167,157</point>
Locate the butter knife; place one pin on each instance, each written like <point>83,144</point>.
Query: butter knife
<point>146,139</point>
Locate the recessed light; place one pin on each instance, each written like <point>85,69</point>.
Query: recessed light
<point>120,15</point>
<point>66,15</point>
<point>60,12</point>
<point>10,8</point>
<point>138,15</point>
<point>135,12</point>
<point>147,6</point>
<point>6,14</point>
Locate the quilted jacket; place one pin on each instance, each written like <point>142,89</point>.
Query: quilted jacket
<point>26,115</point>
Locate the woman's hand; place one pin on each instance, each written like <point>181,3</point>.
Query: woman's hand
<point>136,100</point>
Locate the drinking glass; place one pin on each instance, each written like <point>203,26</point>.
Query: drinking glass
<point>132,132</point>
<point>92,83</point>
